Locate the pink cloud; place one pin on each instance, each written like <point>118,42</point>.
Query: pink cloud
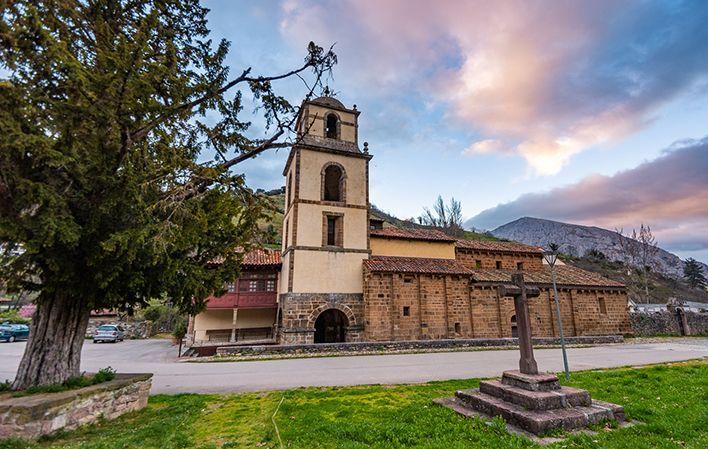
<point>669,193</point>
<point>536,78</point>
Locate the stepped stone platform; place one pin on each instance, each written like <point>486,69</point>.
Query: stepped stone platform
<point>536,403</point>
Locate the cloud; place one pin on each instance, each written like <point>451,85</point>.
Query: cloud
<point>485,147</point>
<point>542,80</point>
<point>669,193</point>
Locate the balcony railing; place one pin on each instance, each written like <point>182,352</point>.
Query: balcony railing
<point>244,300</point>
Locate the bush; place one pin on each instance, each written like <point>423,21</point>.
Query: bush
<point>180,330</point>
<point>164,317</point>
<point>13,316</point>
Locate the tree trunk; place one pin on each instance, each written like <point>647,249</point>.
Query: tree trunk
<point>53,352</point>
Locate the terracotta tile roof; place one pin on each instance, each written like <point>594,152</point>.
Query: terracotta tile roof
<point>262,257</point>
<point>257,258</point>
<point>490,245</point>
<point>565,275</point>
<point>392,264</point>
<point>412,234</point>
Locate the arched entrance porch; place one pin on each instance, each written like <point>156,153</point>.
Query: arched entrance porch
<point>331,326</point>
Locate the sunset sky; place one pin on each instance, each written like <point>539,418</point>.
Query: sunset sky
<point>586,112</point>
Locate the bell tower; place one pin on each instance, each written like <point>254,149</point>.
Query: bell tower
<point>325,226</point>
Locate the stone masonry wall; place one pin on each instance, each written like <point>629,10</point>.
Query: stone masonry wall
<point>134,329</point>
<point>30,417</point>
<point>667,323</point>
<point>299,311</point>
<point>487,259</point>
<point>428,307</point>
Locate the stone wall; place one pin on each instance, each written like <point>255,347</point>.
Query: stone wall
<point>489,259</point>
<point>405,345</point>
<point>30,417</point>
<point>667,323</point>
<point>430,307</point>
<point>134,329</point>
<point>299,311</point>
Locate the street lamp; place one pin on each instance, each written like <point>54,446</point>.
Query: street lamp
<point>551,257</point>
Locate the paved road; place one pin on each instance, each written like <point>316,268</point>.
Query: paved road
<point>157,356</point>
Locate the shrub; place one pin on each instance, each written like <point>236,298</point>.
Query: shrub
<point>180,330</point>
<point>13,316</point>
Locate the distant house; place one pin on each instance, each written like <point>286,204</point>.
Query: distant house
<point>342,275</point>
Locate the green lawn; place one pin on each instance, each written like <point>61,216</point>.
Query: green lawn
<point>671,401</point>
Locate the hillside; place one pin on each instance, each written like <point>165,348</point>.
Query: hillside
<point>577,240</point>
<point>661,287</point>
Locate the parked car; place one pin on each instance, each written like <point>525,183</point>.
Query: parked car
<point>108,332</point>
<point>13,332</point>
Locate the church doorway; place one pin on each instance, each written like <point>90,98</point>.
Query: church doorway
<point>514,328</point>
<point>331,326</point>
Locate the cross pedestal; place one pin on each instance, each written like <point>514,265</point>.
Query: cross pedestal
<point>533,401</point>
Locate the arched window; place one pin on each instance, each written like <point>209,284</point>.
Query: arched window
<point>333,183</point>
<point>331,126</point>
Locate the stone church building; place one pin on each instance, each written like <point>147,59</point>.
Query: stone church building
<point>344,275</point>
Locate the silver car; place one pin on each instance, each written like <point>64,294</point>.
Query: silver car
<point>108,333</point>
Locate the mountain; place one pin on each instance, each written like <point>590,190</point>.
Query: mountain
<point>577,240</point>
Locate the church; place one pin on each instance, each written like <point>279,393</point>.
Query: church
<point>344,275</point>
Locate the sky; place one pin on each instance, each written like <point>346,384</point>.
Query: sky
<point>593,113</point>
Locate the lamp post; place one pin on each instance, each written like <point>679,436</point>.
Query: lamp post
<point>551,257</point>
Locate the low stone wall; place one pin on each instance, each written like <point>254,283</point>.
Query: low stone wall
<point>667,323</point>
<point>373,346</point>
<point>134,330</point>
<point>30,417</point>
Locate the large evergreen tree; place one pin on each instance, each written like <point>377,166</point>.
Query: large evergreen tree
<point>114,186</point>
<point>693,273</point>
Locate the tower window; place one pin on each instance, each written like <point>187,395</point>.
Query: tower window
<point>332,232</point>
<point>333,189</point>
<point>331,129</point>
<point>289,188</point>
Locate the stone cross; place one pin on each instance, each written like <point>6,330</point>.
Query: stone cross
<point>521,293</point>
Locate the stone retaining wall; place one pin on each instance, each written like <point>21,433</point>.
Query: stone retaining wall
<point>134,330</point>
<point>667,323</point>
<point>371,346</point>
<point>30,417</point>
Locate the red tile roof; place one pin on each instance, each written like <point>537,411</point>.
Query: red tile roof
<point>412,234</point>
<point>494,246</point>
<point>565,275</point>
<point>257,258</point>
<point>262,257</point>
<point>393,264</point>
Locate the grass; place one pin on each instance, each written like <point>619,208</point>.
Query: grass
<point>671,401</point>
<point>73,383</point>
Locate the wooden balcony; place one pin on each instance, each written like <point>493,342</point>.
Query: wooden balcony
<point>244,300</point>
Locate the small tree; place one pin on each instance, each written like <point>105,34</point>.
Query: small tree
<point>639,250</point>
<point>447,217</point>
<point>119,138</point>
<point>693,273</point>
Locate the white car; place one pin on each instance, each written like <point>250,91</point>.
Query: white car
<point>108,333</point>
